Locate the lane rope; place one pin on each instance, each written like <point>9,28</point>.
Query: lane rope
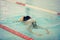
<point>15,32</point>
<point>34,7</point>
<point>38,8</point>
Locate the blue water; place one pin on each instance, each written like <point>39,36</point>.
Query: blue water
<point>10,13</point>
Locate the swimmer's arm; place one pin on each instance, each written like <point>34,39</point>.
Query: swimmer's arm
<point>30,30</point>
<point>45,29</point>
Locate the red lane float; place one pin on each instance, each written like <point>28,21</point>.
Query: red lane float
<point>21,3</point>
<point>38,8</point>
<point>15,32</point>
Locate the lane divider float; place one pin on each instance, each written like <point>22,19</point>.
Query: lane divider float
<point>38,8</point>
<point>15,32</point>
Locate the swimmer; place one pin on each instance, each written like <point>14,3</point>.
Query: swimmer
<point>31,24</point>
<point>28,20</point>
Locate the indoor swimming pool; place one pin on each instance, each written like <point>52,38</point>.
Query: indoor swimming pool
<point>11,12</point>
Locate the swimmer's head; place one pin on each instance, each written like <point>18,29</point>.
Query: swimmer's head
<point>25,18</point>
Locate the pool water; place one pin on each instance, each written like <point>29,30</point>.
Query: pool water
<point>11,12</point>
